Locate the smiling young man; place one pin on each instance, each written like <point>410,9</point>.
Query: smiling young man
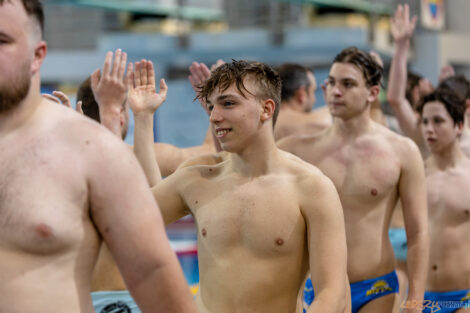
<point>371,168</point>
<point>63,190</point>
<point>263,216</point>
<point>447,179</point>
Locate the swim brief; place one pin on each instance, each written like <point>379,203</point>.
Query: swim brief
<point>362,292</point>
<point>114,302</point>
<point>446,302</point>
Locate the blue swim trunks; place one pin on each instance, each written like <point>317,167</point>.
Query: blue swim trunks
<point>398,240</point>
<point>446,302</point>
<point>362,292</point>
<point>114,302</point>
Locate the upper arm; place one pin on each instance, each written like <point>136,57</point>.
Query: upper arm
<point>412,189</point>
<point>123,208</point>
<point>171,203</point>
<point>323,213</point>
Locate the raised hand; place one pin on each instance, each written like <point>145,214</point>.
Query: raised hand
<point>446,72</point>
<point>109,84</point>
<point>199,73</point>
<point>402,26</point>
<point>142,96</point>
<point>61,98</point>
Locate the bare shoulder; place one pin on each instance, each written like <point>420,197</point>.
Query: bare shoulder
<point>207,159</point>
<point>308,177</point>
<point>403,146</point>
<point>294,143</point>
<point>84,137</point>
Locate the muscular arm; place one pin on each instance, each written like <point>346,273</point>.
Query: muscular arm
<point>402,30</point>
<point>172,205</point>
<point>323,214</point>
<point>128,218</point>
<point>412,191</point>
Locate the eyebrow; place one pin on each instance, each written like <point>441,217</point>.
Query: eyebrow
<point>223,97</point>
<point>344,78</point>
<point>5,35</point>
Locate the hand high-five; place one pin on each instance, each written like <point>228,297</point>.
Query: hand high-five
<point>402,26</point>
<point>142,95</point>
<point>109,85</point>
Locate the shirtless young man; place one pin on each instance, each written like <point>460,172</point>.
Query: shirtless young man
<point>447,180</point>
<point>263,216</point>
<point>371,168</point>
<point>297,100</point>
<point>62,189</point>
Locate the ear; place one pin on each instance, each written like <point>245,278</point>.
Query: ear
<point>267,109</point>
<point>122,115</point>
<point>467,104</point>
<point>40,51</point>
<point>301,94</point>
<point>373,94</point>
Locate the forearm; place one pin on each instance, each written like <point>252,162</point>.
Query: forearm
<point>163,290</point>
<point>328,302</point>
<point>418,255</point>
<point>143,147</point>
<point>111,118</point>
<point>398,73</point>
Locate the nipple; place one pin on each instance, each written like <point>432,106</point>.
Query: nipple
<point>374,192</point>
<point>279,242</point>
<point>43,231</point>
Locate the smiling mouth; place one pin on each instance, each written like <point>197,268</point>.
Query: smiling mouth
<point>222,132</point>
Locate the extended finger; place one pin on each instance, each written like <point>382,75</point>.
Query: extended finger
<point>151,74</point>
<point>107,63</point>
<point>62,97</point>
<point>122,67</point>
<point>130,77</point>
<point>205,71</point>
<point>95,79</point>
<point>137,80</point>
<point>163,89</point>
<point>116,63</point>
<point>50,97</point>
<point>79,108</point>
<point>143,73</point>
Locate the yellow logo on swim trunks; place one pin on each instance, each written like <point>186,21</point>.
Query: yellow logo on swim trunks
<point>466,298</point>
<point>379,287</point>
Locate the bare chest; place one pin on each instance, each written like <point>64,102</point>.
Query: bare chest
<point>262,216</point>
<point>448,199</point>
<point>42,197</point>
<point>367,173</point>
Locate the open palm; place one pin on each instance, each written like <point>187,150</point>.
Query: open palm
<point>142,94</point>
<point>402,26</point>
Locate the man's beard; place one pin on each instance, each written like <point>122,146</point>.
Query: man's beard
<point>12,94</point>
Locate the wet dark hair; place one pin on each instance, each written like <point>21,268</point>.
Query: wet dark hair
<point>454,105</point>
<point>89,105</point>
<point>458,84</point>
<point>33,8</point>
<point>235,72</point>
<point>371,70</point>
<point>293,76</point>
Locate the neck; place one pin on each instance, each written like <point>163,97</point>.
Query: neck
<point>20,115</point>
<point>291,105</point>
<point>448,158</point>
<point>354,126</point>
<point>258,157</point>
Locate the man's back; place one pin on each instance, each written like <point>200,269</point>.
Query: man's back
<point>252,243</point>
<point>365,170</point>
<point>449,226</point>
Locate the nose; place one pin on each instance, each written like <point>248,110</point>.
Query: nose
<point>428,128</point>
<point>215,115</point>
